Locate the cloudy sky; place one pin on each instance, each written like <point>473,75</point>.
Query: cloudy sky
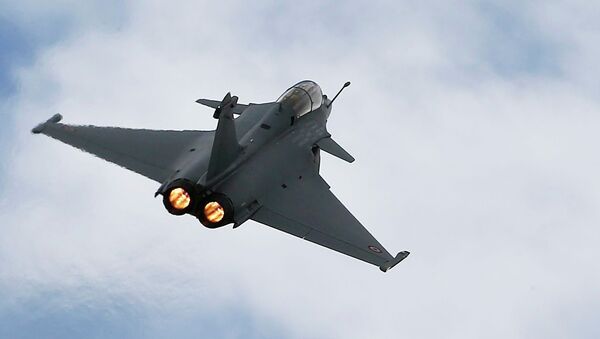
<point>476,131</point>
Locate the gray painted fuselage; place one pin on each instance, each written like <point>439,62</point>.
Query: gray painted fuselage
<point>262,166</point>
<point>276,148</point>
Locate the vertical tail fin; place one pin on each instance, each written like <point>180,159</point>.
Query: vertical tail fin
<point>225,146</point>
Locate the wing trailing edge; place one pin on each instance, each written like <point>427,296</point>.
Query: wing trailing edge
<point>155,154</point>
<point>307,209</point>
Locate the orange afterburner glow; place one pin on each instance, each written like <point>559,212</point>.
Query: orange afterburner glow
<point>179,198</point>
<point>214,212</point>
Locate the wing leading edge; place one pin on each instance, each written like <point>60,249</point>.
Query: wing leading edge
<point>153,154</point>
<point>307,209</point>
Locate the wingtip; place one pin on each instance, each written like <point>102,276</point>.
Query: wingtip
<point>391,263</point>
<point>53,120</point>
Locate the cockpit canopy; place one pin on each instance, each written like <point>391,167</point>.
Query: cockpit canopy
<point>303,97</point>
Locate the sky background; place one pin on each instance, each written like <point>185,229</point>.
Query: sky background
<point>475,126</point>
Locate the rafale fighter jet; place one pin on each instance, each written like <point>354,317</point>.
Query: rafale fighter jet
<point>262,165</point>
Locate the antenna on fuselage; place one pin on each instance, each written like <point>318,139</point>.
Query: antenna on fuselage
<point>338,93</point>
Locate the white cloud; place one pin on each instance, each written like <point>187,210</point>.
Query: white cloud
<point>489,179</point>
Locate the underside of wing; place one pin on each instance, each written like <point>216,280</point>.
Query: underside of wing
<point>151,153</point>
<point>307,209</point>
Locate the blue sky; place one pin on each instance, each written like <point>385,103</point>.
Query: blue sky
<point>23,36</point>
<point>474,125</point>
<point>49,315</point>
<point>515,46</point>
<point>18,49</point>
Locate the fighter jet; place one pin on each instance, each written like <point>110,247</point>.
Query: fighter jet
<point>261,163</point>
